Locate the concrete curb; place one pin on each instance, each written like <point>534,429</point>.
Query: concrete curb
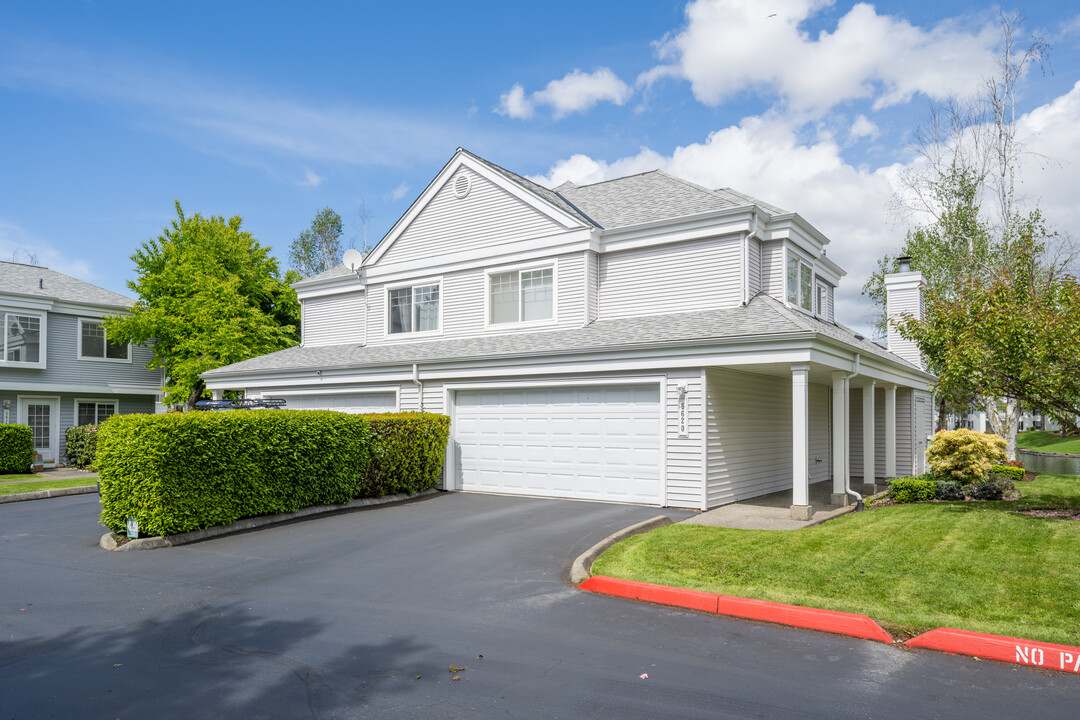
<point>43,494</point>
<point>1047,454</point>
<point>1000,647</point>
<point>109,541</point>
<point>582,567</point>
<point>832,621</point>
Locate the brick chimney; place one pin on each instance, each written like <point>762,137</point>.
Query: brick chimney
<point>904,295</point>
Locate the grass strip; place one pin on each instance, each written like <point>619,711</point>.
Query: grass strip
<point>24,487</point>
<point>982,567</point>
<point>1046,441</point>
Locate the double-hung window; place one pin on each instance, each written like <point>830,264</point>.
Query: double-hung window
<point>92,412</point>
<point>800,284</point>
<point>22,338</point>
<point>414,309</point>
<point>522,296</point>
<point>93,345</point>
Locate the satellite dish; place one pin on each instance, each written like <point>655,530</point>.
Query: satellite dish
<point>352,258</point>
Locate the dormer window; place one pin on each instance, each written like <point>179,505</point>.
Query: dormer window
<point>414,309</point>
<point>800,284</point>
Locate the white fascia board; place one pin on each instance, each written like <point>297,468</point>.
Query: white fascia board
<point>106,389</point>
<point>567,243</point>
<point>337,288</point>
<point>87,310</point>
<point>842,356</point>
<point>17,301</point>
<point>833,268</point>
<point>463,158</point>
<point>730,221</point>
<point>904,281</point>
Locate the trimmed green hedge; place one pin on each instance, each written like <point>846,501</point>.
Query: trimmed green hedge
<point>187,471</point>
<point>1016,474</point>
<point>82,445</point>
<point>16,448</point>
<point>905,490</point>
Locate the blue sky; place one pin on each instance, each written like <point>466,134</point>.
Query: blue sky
<point>111,110</point>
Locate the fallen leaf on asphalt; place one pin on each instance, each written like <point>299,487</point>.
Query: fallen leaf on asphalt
<point>456,677</point>
<point>116,665</point>
<point>644,676</point>
<point>455,669</point>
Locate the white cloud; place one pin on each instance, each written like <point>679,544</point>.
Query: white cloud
<point>311,179</point>
<point>576,92</point>
<point>765,157</point>
<point>513,103</point>
<point>398,192</point>
<point>733,46</point>
<point>863,128</point>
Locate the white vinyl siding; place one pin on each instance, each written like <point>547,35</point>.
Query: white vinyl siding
<point>905,446</point>
<point>683,277</point>
<point>592,286</point>
<point>589,442</point>
<point>753,247</point>
<point>343,401</point>
<point>487,216</point>
<point>772,268</point>
<point>685,467</point>
<point>333,319</point>
<point>749,435</point>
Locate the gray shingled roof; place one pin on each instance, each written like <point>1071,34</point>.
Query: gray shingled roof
<point>764,316</point>
<point>45,283</point>
<point>740,198</point>
<point>334,272</point>
<point>549,195</point>
<point>649,196</point>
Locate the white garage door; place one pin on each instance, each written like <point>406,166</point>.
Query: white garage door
<point>596,442</point>
<point>345,402</point>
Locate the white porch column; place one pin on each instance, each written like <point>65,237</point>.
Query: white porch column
<point>890,431</point>
<point>839,438</point>
<point>868,432</point>
<point>800,442</point>
<point>217,394</point>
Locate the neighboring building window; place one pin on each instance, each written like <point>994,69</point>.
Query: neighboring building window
<point>522,296</point>
<point>91,412</point>
<point>22,338</point>
<point>93,345</point>
<point>800,283</point>
<point>414,309</point>
<point>822,299</point>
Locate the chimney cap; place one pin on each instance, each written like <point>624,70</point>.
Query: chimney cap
<point>903,264</point>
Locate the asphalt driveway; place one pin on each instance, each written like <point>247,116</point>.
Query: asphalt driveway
<point>362,615</point>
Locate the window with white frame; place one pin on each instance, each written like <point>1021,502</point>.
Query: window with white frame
<point>93,345</point>
<point>22,337</point>
<point>92,412</point>
<point>414,309</point>
<point>522,296</point>
<point>800,284</point>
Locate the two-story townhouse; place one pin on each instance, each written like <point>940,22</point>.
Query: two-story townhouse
<point>58,368</point>
<point>643,340</point>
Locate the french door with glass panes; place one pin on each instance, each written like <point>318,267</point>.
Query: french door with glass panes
<point>42,414</point>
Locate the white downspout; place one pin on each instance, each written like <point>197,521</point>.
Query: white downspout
<point>419,385</point>
<point>847,411</point>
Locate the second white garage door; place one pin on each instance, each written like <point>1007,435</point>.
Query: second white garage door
<point>595,442</point>
<point>377,402</point>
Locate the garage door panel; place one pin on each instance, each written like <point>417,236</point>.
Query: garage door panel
<point>594,442</point>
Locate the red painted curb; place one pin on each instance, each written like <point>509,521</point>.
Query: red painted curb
<point>999,647</point>
<point>827,620</point>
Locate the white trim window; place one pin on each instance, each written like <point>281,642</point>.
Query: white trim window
<point>800,284</point>
<point>521,296</point>
<point>94,345</point>
<point>92,412</point>
<point>413,309</point>
<point>24,339</point>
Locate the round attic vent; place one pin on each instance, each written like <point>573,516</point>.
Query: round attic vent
<point>462,185</point>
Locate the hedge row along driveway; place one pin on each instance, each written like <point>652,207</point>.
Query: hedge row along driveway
<point>188,471</point>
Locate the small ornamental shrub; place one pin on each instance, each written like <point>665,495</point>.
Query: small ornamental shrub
<point>949,490</point>
<point>985,490</point>
<point>82,445</point>
<point>964,455</point>
<point>16,448</point>
<point>1015,474</point>
<point>1014,463</point>
<point>408,452</point>
<point>906,490</point>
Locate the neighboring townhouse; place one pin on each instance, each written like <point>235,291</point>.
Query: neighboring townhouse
<point>58,368</point>
<point>643,340</point>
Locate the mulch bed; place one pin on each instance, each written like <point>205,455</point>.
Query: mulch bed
<point>1068,514</point>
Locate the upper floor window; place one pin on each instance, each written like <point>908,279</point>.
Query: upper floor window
<point>522,296</point>
<point>800,284</point>
<point>22,338</point>
<point>414,309</point>
<point>93,345</point>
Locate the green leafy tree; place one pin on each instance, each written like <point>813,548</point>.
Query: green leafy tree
<point>208,295</point>
<point>318,248</point>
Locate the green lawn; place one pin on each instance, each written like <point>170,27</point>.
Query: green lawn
<point>22,487</point>
<point>973,566</point>
<point>1045,441</point>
